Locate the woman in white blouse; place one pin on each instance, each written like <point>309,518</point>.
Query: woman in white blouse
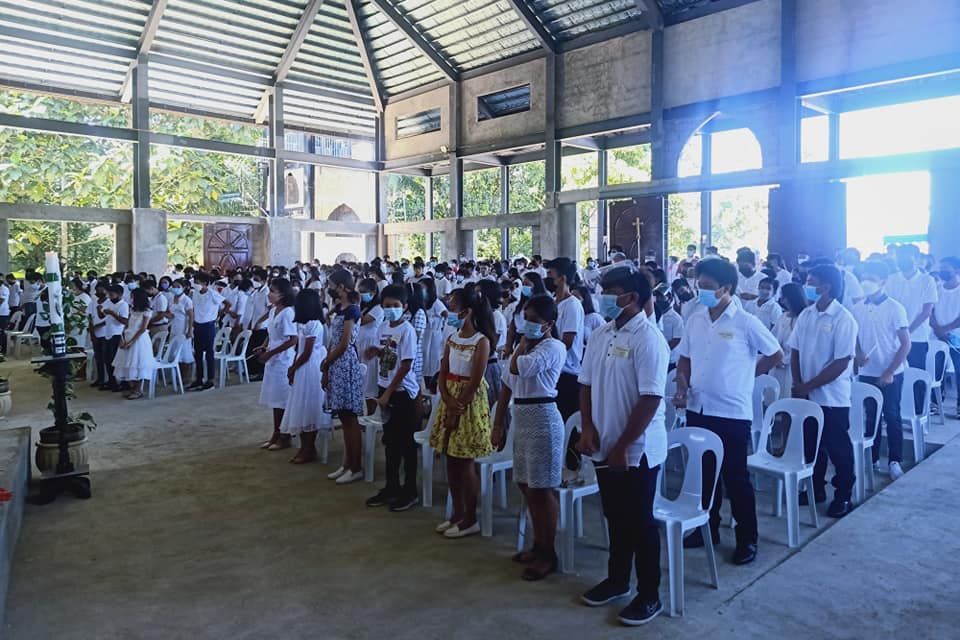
<point>793,301</point>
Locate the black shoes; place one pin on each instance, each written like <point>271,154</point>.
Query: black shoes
<point>839,508</point>
<point>403,503</point>
<point>207,385</point>
<point>604,593</point>
<point>382,499</point>
<point>638,612</point>
<point>744,554</point>
<point>195,386</point>
<point>695,539</point>
<point>819,496</point>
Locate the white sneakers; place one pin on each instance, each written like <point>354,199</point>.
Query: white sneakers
<point>336,474</point>
<point>456,532</point>
<point>443,526</point>
<point>896,472</point>
<point>350,476</point>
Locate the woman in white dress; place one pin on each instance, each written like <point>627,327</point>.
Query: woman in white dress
<point>433,336</point>
<point>277,355</point>
<point>304,414</point>
<point>181,306</point>
<point>368,335</point>
<point>135,361</point>
<point>793,301</point>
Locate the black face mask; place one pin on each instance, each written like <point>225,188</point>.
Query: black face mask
<point>550,285</point>
<point>685,295</point>
<point>661,307</point>
<point>333,293</point>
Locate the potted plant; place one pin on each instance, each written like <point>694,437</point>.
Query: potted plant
<point>48,452</point>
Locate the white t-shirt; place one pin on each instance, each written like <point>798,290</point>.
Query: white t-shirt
<point>878,326</point>
<point>671,326</point>
<point>913,293</point>
<point>159,304</point>
<point>947,308</point>
<point>570,320</point>
<point>821,338</point>
<point>4,300</point>
<point>114,327</point>
<point>784,277</point>
<point>852,289</point>
<point>206,306</point>
<point>723,359</point>
<point>749,285</point>
<point>255,308</point>
<point>539,370</point>
<point>99,326</point>
<point>397,344</point>
<point>280,327</point>
<point>620,366</point>
<point>591,322</point>
<point>768,313</point>
<point>500,324</point>
<point>15,294</point>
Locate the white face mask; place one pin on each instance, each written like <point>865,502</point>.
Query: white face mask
<point>870,287</point>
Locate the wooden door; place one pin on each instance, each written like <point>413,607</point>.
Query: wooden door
<point>227,245</point>
<point>626,215</point>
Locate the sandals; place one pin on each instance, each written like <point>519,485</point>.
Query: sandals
<point>281,443</point>
<point>533,575</point>
<point>136,395</point>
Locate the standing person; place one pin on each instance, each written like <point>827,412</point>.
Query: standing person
<point>252,318</point>
<point>591,319</point>
<point>490,292</point>
<point>276,354</point>
<point>398,392</point>
<point>883,343</point>
<point>4,313</point>
<point>206,308</point>
<point>794,301</point>
<point>30,294</point>
<point>16,293</point>
<point>134,361</point>
<point>304,414</point>
<point>371,315</point>
<point>181,324</point>
<point>114,311</point>
<point>80,304</point>
<point>433,345</point>
<point>824,344</point>
<point>945,319</point>
<point>461,430</point>
<point>765,307</point>
<point>750,278</point>
<point>418,320</point>
<point>775,262</point>
<point>621,403</point>
<point>563,273</point>
<point>531,285</point>
<point>671,326</point>
<point>538,446</point>
<point>715,379</point>
<point>159,306</point>
<point>917,292</point>
<point>343,374</point>
<point>98,332</point>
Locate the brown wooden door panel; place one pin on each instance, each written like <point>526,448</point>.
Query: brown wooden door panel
<point>624,217</point>
<point>227,246</point>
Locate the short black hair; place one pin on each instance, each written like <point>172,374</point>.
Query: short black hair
<point>875,268</point>
<point>774,284</point>
<point>149,284</point>
<point>747,255</point>
<point>629,280</point>
<point>829,274</point>
<point>395,291</point>
<point>720,270</point>
<point>307,306</point>
<point>283,287</point>
<point>564,267</point>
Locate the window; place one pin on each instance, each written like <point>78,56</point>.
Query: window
<point>629,164</point>
<point>520,242</point>
<point>418,123</point>
<point>344,194</point>
<point>406,198</point>
<point>409,246</point>
<point>206,182</point>
<point>911,127</point>
<point>735,150</point>
<point>587,231</point>
<point>481,192</point>
<point>739,218</point>
<point>527,187</point>
<point>209,129</point>
<point>691,157</point>
<point>683,223</point>
<point>436,245</point>
<point>88,245</point>
<point>184,242</point>
<point>578,171</point>
<point>487,244</point>
<point>887,209</point>
<point>33,105</point>
<point>503,103</point>
<point>441,197</point>
<point>815,139</point>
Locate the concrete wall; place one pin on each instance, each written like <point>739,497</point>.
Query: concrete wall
<point>727,53</point>
<point>422,144</point>
<point>604,81</point>
<point>149,240</point>
<point>836,38</point>
<point>473,132</point>
<point>356,189</point>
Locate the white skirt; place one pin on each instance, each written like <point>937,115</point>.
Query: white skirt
<point>304,410</point>
<point>135,362</point>
<point>275,388</point>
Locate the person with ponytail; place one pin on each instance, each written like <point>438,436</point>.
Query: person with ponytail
<point>490,292</point>
<point>538,446</point>
<point>461,430</point>
<point>531,285</point>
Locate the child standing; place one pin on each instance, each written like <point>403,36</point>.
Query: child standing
<point>398,392</point>
<point>304,413</point>
<point>276,355</point>
<point>369,336</point>
<point>135,361</point>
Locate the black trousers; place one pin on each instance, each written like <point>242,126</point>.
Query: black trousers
<point>568,395</point>
<point>627,499</point>
<point>399,445</point>
<point>257,337</point>
<point>3,333</point>
<point>204,334</point>
<point>100,359</point>
<point>891,416</point>
<point>734,476</point>
<point>835,444</point>
<point>109,353</point>
<point>917,358</point>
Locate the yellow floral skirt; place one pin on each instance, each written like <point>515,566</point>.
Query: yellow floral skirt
<point>471,436</point>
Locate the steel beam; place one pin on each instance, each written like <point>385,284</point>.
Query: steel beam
<point>366,55</point>
<point>328,161</point>
<point>533,23</point>
<point>597,249</point>
<point>552,147</point>
<point>703,10</point>
<point>66,42</point>
<point>417,39</point>
<point>296,40</point>
<point>456,163</point>
<point>277,186</point>
<point>650,11</point>
<point>67,128</point>
<point>168,140</point>
<point>147,36</point>
<point>658,139</point>
<point>141,125</point>
<point>41,86</point>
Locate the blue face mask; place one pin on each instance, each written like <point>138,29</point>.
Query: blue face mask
<point>366,297</point>
<point>532,330</point>
<point>423,293</point>
<point>811,293</point>
<point>454,322</point>
<point>177,291</point>
<point>526,291</point>
<point>132,285</point>
<point>609,307</point>
<point>708,298</point>
<point>392,314</point>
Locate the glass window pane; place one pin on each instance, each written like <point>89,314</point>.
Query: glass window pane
<point>735,150</point>
<point>887,209</point>
<point>487,244</point>
<point>739,219</point>
<point>33,105</point>
<point>481,192</point>
<point>405,198</point>
<point>527,187</point>
<point>587,231</point>
<point>579,171</point>
<point>207,128</point>
<point>206,182</point>
<point>815,139</point>
<point>683,223</point>
<point>436,245</point>
<point>629,164</point>
<point>520,242</point>
<point>408,246</point>
<point>926,125</point>
<point>441,197</point>
<point>89,246</point>
<point>691,157</point>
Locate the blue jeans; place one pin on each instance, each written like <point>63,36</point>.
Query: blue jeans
<point>204,334</point>
<point>891,416</point>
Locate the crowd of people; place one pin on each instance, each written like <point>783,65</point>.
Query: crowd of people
<point>521,346</point>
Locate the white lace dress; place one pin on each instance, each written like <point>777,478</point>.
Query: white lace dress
<point>304,410</point>
<point>136,362</point>
<point>276,387</point>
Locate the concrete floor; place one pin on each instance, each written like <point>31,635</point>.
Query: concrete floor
<point>193,532</point>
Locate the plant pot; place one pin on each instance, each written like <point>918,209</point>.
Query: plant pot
<point>48,449</point>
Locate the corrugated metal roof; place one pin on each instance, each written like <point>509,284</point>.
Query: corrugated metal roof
<point>568,19</point>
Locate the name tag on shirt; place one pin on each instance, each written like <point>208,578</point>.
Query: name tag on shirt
<point>619,351</point>
<point>827,327</point>
<point>726,335</point>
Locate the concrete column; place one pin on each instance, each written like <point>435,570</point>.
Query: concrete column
<point>141,122</point>
<point>284,240</point>
<point>371,244</point>
<point>558,232</point>
<point>149,235</point>
<point>123,247</point>
<point>4,245</point>
<point>465,244</point>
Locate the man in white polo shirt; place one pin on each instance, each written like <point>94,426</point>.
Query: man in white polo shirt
<point>917,292</point>
<point>4,313</point>
<point>715,379</point>
<point>749,279</point>
<point>824,342</point>
<point>562,275</point>
<point>882,347</point>
<point>206,309</point>
<point>621,402</point>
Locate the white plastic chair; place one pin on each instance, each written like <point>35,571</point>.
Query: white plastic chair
<point>237,354</point>
<point>12,331</point>
<point>28,336</point>
<point>687,512</point>
<point>792,469</point>
<point>913,420</point>
<point>372,425</point>
<point>938,355</point>
<point>863,436</point>
<point>169,362</point>
<point>493,470</point>
<point>427,453</point>
<point>673,416</point>
<point>766,391</point>
<point>159,342</point>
